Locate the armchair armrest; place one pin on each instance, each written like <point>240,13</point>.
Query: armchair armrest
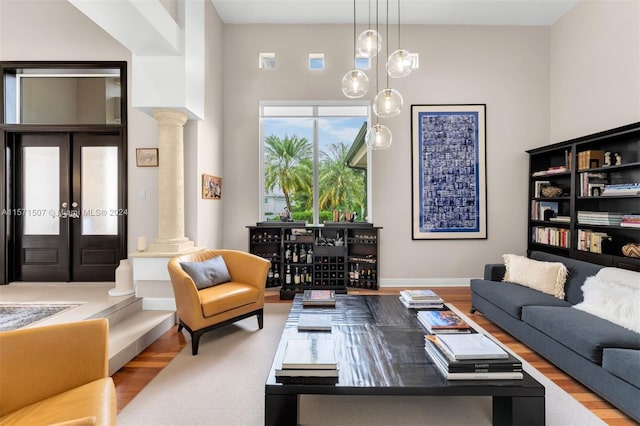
<point>494,271</point>
<point>247,268</point>
<point>40,362</point>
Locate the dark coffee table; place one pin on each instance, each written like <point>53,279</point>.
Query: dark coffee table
<point>380,351</point>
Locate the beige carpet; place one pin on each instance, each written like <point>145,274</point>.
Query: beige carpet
<point>224,385</point>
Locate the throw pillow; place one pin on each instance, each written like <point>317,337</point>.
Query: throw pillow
<point>207,273</point>
<point>547,277</point>
<point>612,301</point>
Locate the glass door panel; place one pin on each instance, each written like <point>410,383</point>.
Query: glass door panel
<point>99,193</point>
<point>41,200</point>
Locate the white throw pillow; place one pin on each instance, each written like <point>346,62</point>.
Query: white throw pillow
<point>547,277</point>
<point>612,301</point>
<point>621,276</point>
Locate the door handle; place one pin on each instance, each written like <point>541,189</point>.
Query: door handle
<point>75,213</point>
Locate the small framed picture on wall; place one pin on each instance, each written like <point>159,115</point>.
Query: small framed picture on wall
<point>211,187</point>
<point>147,157</point>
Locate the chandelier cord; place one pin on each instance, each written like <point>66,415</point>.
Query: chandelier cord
<point>354,34</point>
<point>387,43</point>
<point>377,56</point>
<point>399,44</point>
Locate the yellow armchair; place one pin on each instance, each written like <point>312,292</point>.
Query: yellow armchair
<point>57,374</point>
<point>200,311</point>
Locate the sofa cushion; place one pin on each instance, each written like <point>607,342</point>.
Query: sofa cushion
<point>612,301</point>
<point>511,298</point>
<point>547,277</point>
<point>578,272</point>
<point>225,297</point>
<point>96,399</point>
<point>623,363</point>
<point>580,331</point>
<point>207,273</point>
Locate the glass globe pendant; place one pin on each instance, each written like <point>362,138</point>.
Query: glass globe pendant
<point>399,63</point>
<point>387,103</point>
<point>355,84</point>
<point>369,43</point>
<point>378,137</point>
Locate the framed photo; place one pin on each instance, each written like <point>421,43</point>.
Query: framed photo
<point>449,190</point>
<point>147,157</point>
<point>211,187</point>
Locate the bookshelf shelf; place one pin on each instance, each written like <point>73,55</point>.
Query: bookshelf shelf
<point>585,168</point>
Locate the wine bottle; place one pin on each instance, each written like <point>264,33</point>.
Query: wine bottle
<point>287,253</point>
<point>287,276</point>
<point>294,257</point>
<point>310,255</point>
<point>296,277</point>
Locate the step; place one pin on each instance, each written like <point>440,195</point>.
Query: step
<point>130,336</point>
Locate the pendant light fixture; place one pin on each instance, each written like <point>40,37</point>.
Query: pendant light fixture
<point>355,83</point>
<point>388,102</point>
<point>399,62</point>
<point>378,137</point>
<point>369,42</point>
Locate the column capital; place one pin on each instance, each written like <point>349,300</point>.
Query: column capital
<point>170,116</point>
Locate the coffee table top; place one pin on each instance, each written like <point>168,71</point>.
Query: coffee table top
<point>380,351</point>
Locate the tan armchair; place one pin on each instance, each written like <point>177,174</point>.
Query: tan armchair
<point>57,374</point>
<point>203,310</point>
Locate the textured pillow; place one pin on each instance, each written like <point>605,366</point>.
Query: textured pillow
<point>207,273</point>
<point>547,277</point>
<point>620,276</point>
<point>612,301</point>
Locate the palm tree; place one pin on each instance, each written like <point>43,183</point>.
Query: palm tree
<point>341,187</point>
<point>288,166</point>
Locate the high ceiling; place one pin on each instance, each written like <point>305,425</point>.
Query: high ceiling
<point>433,12</point>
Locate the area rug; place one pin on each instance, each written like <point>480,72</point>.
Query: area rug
<point>224,385</point>
<point>19,315</point>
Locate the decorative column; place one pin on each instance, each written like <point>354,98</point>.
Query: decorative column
<point>171,237</point>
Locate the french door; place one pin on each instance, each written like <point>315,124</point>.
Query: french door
<point>68,211</point>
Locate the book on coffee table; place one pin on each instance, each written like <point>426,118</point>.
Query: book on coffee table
<point>304,354</point>
<point>447,321</point>
<point>319,298</point>
<point>471,346</point>
<point>434,348</point>
<point>314,322</point>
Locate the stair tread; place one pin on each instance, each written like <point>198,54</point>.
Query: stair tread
<point>130,329</point>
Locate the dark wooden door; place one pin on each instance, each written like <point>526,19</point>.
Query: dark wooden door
<point>70,221</point>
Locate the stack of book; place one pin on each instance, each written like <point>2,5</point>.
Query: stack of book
<point>443,322</point>
<point>314,322</point>
<point>421,299</point>
<point>599,218</point>
<point>592,241</point>
<point>471,357</point>
<point>631,220</point>
<point>319,298</point>
<point>621,189</point>
<point>309,361</point>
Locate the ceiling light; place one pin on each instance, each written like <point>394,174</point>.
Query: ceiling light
<point>400,62</point>
<point>355,83</point>
<point>378,137</point>
<point>388,103</point>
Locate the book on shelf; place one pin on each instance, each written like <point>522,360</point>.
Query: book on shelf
<point>622,189</point>
<point>470,346</point>
<point>599,218</point>
<point>592,241</point>
<point>563,219</point>
<point>538,185</point>
<point>557,237</point>
<point>437,322</point>
<point>550,171</point>
<point>590,159</point>
<point>319,298</point>
<point>630,220</point>
<point>539,209</point>
<point>511,363</point>
<point>306,354</point>
<point>314,322</point>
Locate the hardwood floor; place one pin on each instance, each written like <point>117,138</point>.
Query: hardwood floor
<point>135,375</point>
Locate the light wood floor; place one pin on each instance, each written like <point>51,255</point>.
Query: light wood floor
<point>135,375</point>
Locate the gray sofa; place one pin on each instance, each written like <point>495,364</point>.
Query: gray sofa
<point>601,355</point>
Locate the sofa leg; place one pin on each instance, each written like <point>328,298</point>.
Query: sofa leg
<point>472,310</point>
<point>260,315</point>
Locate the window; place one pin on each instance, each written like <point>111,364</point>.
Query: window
<point>316,61</point>
<point>314,160</point>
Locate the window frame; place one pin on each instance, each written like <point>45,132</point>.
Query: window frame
<point>315,105</point>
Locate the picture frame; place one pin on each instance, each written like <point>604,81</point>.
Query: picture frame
<point>448,168</point>
<point>147,157</point>
<point>211,187</point>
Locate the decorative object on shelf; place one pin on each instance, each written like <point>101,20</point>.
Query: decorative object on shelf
<point>211,187</point>
<point>551,191</point>
<point>141,244</point>
<point>618,159</point>
<point>448,151</point>
<point>607,158</point>
<point>631,250</point>
<point>147,157</point>
<point>285,215</point>
<point>355,83</point>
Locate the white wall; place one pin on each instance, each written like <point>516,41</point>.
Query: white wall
<point>505,67</point>
<point>595,68</point>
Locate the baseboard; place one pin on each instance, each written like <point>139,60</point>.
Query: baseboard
<point>424,282</point>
